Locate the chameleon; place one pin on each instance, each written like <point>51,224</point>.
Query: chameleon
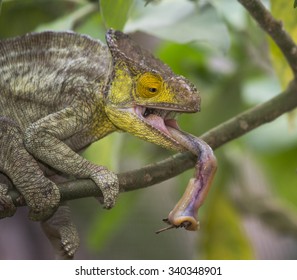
<point>62,91</point>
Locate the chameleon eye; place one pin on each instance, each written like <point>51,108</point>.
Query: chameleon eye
<point>149,85</point>
<point>153,89</point>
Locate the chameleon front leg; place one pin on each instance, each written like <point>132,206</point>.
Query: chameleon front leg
<point>41,195</point>
<point>44,139</point>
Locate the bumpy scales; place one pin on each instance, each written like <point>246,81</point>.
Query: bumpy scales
<point>59,92</point>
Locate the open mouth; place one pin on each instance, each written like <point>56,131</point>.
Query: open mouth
<point>159,119</point>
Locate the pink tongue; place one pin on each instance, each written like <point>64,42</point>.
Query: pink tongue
<point>172,123</point>
<point>159,123</point>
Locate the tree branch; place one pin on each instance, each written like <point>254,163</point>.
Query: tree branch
<point>178,163</point>
<point>275,29</point>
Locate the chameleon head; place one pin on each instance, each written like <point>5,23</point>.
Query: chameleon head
<point>144,95</point>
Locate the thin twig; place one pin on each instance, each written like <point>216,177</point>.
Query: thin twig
<point>275,29</point>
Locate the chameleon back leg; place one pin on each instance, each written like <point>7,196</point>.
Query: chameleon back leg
<point>62,233</point>
<point>7,207</point>
<point>41,195</point>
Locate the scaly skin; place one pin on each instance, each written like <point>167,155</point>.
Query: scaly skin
<point>62,233</point>
<point>60,92</point>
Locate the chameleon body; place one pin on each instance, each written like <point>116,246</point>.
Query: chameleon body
<point>60,92</point>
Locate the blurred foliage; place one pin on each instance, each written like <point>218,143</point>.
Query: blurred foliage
<point>225,238</point>
<point>282,10</point>
<point>234,67</point>
<point>115,13</point>
<point>188,19</point>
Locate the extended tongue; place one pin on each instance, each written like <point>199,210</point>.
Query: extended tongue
<point>157,122</point>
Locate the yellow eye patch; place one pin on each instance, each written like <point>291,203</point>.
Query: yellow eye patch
<point>149,85</point>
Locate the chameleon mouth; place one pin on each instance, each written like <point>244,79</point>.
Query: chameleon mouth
<point>159,119</point>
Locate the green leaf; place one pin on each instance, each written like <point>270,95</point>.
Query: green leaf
<point>28,15</point>
<point>236,18</point>
<point>0,5</point>
<point>147,2</point>
<point>284,12</point>
<point>181,22</point>
<point>92,26</point>
<point>69,21</point>
<point>295,3</point>
<point>115,12</point>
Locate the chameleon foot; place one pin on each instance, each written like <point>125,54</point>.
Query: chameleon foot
<point>109,185</point>
<point>42,201</point>
<point>62,233</point>
<point>7,208</point>
<point>69,240</point>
